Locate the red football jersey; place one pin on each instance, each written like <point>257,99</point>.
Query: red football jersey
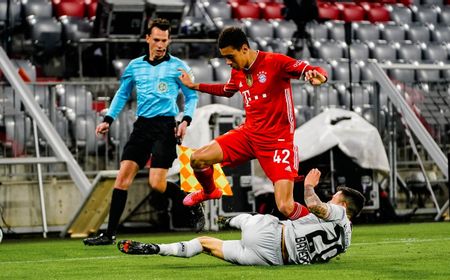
<point>267,95</point>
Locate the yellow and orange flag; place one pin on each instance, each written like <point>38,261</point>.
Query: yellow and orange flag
<point>187,178</point>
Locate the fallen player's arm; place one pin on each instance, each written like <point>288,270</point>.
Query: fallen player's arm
<point>313,202</point>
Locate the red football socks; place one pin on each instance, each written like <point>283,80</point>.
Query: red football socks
<point>206,179</point>
<point>298,212</point>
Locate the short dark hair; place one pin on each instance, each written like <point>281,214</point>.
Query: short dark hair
<point>355,200</point>
<point>232,37</point>
<point>160,23</point>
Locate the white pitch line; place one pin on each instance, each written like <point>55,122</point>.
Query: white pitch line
<point>406,240</point>
<point>63,260</point>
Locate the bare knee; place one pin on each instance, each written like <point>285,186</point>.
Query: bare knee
<point>157,185</point>
<point>285,207</point>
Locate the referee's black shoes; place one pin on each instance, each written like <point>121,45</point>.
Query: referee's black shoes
<point>102,239</point>
<point>198,217</point>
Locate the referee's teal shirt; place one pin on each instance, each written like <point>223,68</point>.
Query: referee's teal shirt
<point>157,87</point>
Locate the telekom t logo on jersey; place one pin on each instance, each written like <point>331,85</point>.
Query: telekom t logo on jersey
<point>248,98</point>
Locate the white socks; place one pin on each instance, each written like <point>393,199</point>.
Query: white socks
<point>185,249</point>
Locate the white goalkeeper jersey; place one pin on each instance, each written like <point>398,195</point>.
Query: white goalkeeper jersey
<point>311,239</point>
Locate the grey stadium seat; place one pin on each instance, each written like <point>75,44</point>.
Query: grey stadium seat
<point>383,52</point>
<point>318,31</point>
<point>444,16</point>
<point>425,14</point>
<point>119,66</point>
<point>401,75</point>
<point>329,49</point>
<point>222,71</point>
<point>284,29</point>
<point>365,31</point>
<point>440,33</point>
<point>435,52</point>
<point>258,29</point>
<point>409,52</point>
<point>75,28</point>
<point>359,51</point>
<point>45,33</point>
<point>365,72</point>
<point>392,32</point>
<point>201,69</point>
<point>418,32</point>
<point>427,75</point>
<point>401,14</point>
<point>75,97</point>
<point>218,10</point>
<point>336,30</point>
<point>38,8</point>
<point>341,71</point>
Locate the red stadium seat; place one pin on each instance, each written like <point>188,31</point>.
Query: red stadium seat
<point>92,9</point>
<point>272,11</point>
<point>351,11</point>
<point>328,11</point>
<point>407,3</point>
<point>247,10</point>
<point>376,12</point>
<point>72,8</point>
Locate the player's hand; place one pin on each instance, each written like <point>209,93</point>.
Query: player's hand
<point>315,78</point>
<point>312,178</point>
<point>185,78</point>
<point>102,128</point>
<point>180,130</point>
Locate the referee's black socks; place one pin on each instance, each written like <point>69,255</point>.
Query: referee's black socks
<point>118,201</point>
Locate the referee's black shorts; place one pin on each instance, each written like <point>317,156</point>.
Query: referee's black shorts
<point>153,137</point>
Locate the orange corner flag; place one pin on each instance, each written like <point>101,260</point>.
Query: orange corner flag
<point>188,181</point>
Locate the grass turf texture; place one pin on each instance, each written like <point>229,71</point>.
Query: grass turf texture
<point>403,251</point>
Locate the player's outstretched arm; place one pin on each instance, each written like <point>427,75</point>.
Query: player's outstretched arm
<point>313,202</point>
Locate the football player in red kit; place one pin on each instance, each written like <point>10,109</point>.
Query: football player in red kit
<point>263,80</point>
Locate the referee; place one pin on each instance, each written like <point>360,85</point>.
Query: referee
<point>155,133</point>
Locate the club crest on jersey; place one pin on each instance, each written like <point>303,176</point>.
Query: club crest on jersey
<point>262,77</point>
<point>162,87</point>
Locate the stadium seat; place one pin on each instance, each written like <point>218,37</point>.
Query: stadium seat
<point>444,16</point>
<point>401,14</point>
<point>383,51</point>
<point>45,33</point>
<point>329,49</point>
<point>409,52</point>
<point>246,10</point>
<point>440,33</point>
<point>402,75</point>
<point>359,51</point>
<point>418,32</point>
<point>351,12</point>
<point>377,13</point>
<point>26,66</point>
<point>392,32</point>
<point>119,66</point>
<point>37,8</point>
<point>224,23</point>
<point>317,31</point>
<point>283,29</point>
<point>432,2</point>
<point>328,11</point>
<point>365,31</point>
<point>435,52</point>
<point>77,98</point>
<point>272,11</point>
<point>72,8</point>
<point>427,75</point>
<point>365,72</point>
<point>222,71</point>
<point>75,28</point>
<point>218,10</point>
<point>282,46</point>
<point>425,14</point>
<point>341,71</point>
<point>14,13</point>
<point>91,10</point>
<point>336,30</point>
<point>201,69</point>
<point>258,29</point>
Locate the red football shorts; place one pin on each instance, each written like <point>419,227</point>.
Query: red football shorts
<point>279,163</point>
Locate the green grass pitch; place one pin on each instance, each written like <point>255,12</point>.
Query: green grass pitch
<point>400,251</point>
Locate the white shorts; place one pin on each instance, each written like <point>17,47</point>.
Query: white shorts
<point>260,243</point>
